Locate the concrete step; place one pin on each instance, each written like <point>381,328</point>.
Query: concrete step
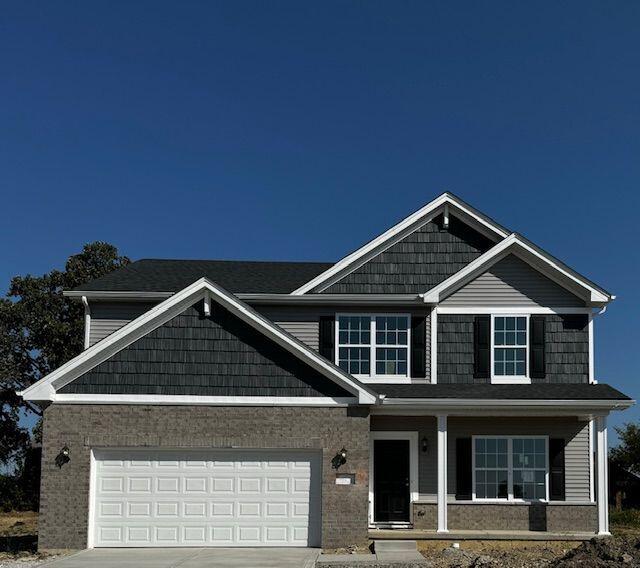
<point>393,546</point>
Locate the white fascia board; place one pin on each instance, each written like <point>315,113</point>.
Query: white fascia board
<point>416,217</point>
<point>163,312</point>
<point>116,295</point>
<point>333,299</point>
<point>192,400</point>
<point>509,245</point>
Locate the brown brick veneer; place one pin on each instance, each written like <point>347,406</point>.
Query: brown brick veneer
<point>64,502</point>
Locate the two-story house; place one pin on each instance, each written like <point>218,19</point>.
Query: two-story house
<point>439,379</point>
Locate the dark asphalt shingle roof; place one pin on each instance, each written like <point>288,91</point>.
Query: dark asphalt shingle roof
<point>158,275</point>
<point>543,391</point>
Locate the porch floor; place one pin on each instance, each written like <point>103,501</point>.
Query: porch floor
<point>415,534</point>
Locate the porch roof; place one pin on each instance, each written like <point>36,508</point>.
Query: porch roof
<point>538,391</point>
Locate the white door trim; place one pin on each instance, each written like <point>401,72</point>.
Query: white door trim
<point>413,466</point>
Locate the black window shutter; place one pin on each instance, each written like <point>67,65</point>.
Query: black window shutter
<point>481,347</point>
<point>536,347</point>
<point>464,475</point>
<point>418,347</point>
<point>556,469</point>
<point>327,337</point>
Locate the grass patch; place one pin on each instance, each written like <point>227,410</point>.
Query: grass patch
<point>629,518</point>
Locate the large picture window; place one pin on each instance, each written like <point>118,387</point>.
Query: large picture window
<point>510,346</point>
<point>510,468</point>
<point>373,345</point>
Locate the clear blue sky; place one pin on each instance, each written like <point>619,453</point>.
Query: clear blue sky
<point>275,130</point>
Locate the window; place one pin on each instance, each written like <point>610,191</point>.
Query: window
<point>373,345</point>
<point>510,346</point>
<point>510,468</point>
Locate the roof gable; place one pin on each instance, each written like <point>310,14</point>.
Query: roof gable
<point>542,261</point>
<point>513,282</point>
<point>198,355</point>
<point>418,262</point>
<point>201,290</point>
<point>444,204</point>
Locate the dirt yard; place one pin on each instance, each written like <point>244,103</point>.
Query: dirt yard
<point>19,540</point>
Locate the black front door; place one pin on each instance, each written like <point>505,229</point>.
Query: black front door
<point>391,481</point>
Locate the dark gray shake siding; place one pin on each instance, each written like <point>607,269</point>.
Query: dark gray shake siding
<point>566,349</point>
<point>64,504</point>
<point>416,263</point>
<point>207,356</point>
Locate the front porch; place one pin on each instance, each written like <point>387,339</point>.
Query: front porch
<point>487,477</point>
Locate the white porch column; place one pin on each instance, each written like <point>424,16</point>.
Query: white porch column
<point>442,473</point>
<point>603,475</point>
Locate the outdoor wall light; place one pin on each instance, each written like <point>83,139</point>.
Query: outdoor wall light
<point>63,456</point>
<point>425,444</point>
<point>339,459</point>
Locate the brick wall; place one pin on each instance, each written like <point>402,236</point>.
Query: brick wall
<point>64,502</point>
<point>553,518</point>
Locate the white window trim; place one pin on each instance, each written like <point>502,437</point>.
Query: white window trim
<point>510,498</point>
<point>510,379</point>
<point>413,468</point>
<point>373,377</point>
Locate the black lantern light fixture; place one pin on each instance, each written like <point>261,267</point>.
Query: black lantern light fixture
<point>63,456</point>
<point>339,459</point>
<point>425,444</point>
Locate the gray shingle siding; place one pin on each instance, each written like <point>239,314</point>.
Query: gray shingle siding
<point>566,339</point>
<point>455,349</point>
<point>512,282</point>
<point>418,262</point>
<point>566,349</point>
<point>216,356</point>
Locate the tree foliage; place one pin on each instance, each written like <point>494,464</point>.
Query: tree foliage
<point>40,329</point>
<point>627,453</point>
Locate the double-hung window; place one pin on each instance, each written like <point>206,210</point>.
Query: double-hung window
<point>509,348</point>
<point>373,345</point>
<point>510,468</point>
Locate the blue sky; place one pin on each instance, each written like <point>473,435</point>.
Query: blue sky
<point>300,130</point>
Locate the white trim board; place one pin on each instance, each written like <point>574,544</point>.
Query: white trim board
<point>193,400</point>
<point>537,259</point>
<point>397,232</point>
<point>413,437</point>
<point>45,388</point>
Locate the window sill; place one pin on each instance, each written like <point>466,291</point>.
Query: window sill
<point>510,381</point>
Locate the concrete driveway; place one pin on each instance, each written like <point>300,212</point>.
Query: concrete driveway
<point>190,558</point>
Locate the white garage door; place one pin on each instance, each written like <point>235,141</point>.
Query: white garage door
<point>206,498</point>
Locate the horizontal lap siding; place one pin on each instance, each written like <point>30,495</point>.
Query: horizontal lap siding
<point>214,356</point>
<point>574,432</point>
<point>512,282</point>
<point>107,317</point>
<point>418,262</point>
<point>303,322</point>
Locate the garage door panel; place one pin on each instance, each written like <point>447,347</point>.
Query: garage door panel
<point>206,498</point>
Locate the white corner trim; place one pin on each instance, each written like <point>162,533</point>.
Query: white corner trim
<point>413,438</point>
<point>512,243</point>
<point>434,345</point>
<point>417,217</point>
<point>193,400</point>
<point>163,312</point>
<point>592,371</point>
<point>87,322</point>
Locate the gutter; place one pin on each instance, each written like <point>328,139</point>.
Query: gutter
<point>502,403</point>
<point>116,295</point>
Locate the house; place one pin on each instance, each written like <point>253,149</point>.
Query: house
<point>439,379</point>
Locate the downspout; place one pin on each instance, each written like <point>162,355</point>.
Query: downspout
<point>87,321</point>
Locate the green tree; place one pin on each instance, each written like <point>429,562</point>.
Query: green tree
<point>627,453</point>
<point>40,329</point>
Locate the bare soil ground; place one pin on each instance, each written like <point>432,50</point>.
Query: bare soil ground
<point>19,540</point>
